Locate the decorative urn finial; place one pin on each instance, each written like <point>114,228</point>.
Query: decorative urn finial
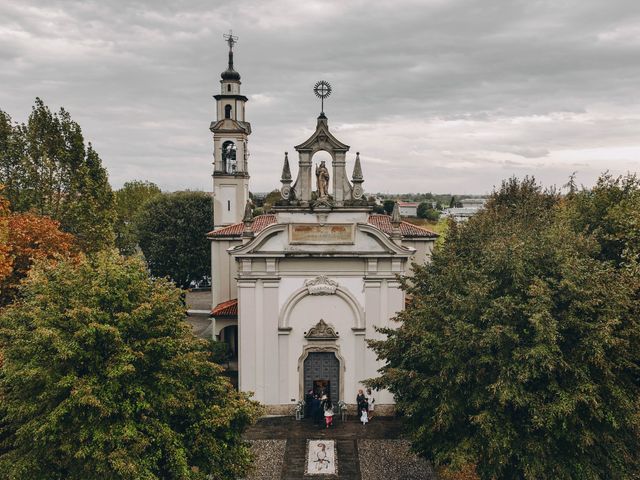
<point>396,220</point>
<point>247,220</point>
<point>357,179</point>
<point>285,191</point>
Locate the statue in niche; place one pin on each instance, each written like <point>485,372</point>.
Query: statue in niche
<point>322,180</point>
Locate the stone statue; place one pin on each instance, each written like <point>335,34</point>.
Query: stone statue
<point>322,179</point>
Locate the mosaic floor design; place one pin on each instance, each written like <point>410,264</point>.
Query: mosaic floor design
<point>321,458</point>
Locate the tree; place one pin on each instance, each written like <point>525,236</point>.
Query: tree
<point>172,231</point>
<point>388,206</point>
<point>103,379</point>
<point>425,210</point>
<point>48,170</point>
<point>611,212</point>
<point>32,238</point>
<point>129,201</point>
<point>6,262</point>
<point>271,199</point>
<point>510,357</point>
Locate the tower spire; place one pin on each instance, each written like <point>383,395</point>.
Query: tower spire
<point>230,73</point>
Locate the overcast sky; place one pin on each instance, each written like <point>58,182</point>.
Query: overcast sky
<point>437,95</point>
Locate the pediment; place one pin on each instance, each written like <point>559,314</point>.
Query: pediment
<point>368,240</point>
<point>230,125</point>
<point>322,139</point>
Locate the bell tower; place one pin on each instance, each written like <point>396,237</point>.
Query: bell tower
<point>230,133</point>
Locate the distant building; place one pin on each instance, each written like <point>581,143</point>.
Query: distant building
<point>408,209</point>
<point>470,206</point>
<point>476,203</point>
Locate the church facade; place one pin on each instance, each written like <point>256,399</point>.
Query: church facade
<point>298,291</point>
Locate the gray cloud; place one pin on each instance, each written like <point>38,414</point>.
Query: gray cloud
<point>440,95</point>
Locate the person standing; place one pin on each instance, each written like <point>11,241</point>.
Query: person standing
<point>316,410</point>
<point>360,399</point>
<point>308,400</point>
<point>371,401</point>
<point>364,416</point>
<point>328,413</point>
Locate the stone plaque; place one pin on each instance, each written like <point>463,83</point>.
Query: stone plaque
<point>327,234</point>
<point>321,458</point>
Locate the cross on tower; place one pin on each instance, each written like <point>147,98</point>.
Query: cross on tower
<point>230,38</point>
<point>322,89</point>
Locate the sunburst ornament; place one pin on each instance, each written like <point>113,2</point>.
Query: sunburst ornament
<point>322,89</point>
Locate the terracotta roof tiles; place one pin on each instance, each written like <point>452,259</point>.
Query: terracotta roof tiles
<point>226,309</point>
<point>259,223</point>
<point>383,222</point>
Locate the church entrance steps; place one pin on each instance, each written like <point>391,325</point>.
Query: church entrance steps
<point>348,465</point>
<point>295,457</point>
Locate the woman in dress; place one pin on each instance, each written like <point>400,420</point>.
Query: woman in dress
<point>328,413</point>
<point>364,417</point>
<point>371,402</point>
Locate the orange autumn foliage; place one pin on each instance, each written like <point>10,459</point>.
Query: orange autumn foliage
<point>468,472</point>
<point>30,238</point>
<point>5,258</point>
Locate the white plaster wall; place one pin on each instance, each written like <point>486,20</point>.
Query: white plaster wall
<point>225,204</point>
<point>306,314</point>
<point>348,216</point>
<point>269,357</point>
<point>224,269</point>
<point>423,250</point>
<point>292,284</point>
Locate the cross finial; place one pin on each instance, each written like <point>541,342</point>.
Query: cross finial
<point>231,39</point>
<point>322,89</point>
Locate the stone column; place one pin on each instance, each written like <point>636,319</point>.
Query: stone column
<point>247,334</point>
<point>303,185</point>
<point>270,359</point>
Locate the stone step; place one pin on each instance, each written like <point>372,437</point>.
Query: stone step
<point>348,465</point>
<point>294,459</point>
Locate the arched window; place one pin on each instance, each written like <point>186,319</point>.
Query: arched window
<point>228,87</point>
<point>227,111</point>
<point>229,156</point>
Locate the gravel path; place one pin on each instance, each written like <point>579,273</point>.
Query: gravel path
<point>391,460</point>
<point>269,458</point>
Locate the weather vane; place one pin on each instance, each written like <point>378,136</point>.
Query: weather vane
<point>322,89</point>
<point>231,39</point>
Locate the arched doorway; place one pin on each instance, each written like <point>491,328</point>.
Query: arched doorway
<point>322,374</point>
<point>229,335</point>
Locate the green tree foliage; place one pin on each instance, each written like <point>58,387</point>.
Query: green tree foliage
<point>129,201</point>
<point>172,231</point>
<point>48,170</point>
<point>388,206</point>
<point>611,212</point>
<point>102,379</point>
<point>520,350</point>
<point>425,210</point>
<point>270,200</point>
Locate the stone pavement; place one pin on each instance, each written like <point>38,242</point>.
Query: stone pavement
<point>376,451</point>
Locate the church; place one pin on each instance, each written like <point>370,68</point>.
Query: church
<point>297,291</point>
